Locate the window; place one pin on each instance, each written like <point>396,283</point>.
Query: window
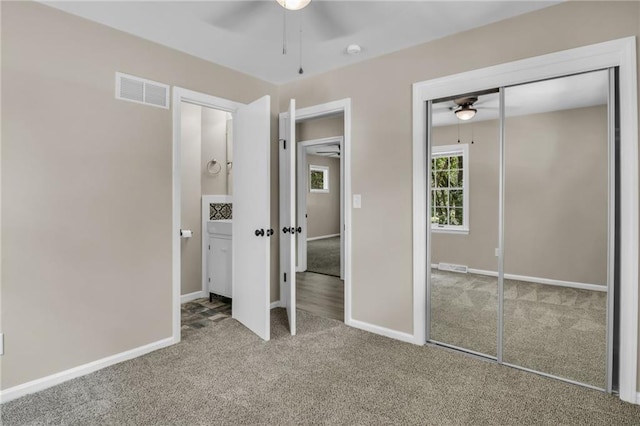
<point>318,179</point>
<point>450,188</point>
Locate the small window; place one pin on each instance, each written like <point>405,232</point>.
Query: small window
<point>318,179</point>
<point>450,189</point>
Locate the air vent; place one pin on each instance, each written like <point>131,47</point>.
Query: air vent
<point>453,268</point>
<point>142,91</point>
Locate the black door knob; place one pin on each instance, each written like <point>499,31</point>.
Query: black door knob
<point>259,232</point>
<point>299,230</point>
<point>269,232</point>
<point>285,229</point>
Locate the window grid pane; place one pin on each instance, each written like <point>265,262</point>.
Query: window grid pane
<point>447,189</point>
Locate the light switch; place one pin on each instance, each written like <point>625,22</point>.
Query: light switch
<point>357,201</point>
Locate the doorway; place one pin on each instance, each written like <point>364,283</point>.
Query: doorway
<point>320,212</point>
<point>244,236</point>
<point>323,129</point>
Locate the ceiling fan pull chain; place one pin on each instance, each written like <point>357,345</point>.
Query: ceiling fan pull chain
<point>284,31</point>
<point>300,71</point>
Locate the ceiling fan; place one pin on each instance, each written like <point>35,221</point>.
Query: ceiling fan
<point>323,20</point>
<point>465,108</point>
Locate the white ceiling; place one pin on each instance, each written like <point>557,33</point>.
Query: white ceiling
<point>248,35</point>
<point>577,91</point>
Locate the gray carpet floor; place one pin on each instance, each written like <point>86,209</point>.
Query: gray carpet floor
<point>556,330</point>
<point>323,256</point>
<point>328,374</point>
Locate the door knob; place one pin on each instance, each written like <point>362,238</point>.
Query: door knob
<point>269,232</point>
<point>259,232</point>
<point>285,230</point>
<point>299,230</point>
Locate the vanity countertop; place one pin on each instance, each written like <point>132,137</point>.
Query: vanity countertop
<point>219,226</point>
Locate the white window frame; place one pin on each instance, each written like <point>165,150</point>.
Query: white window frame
<point>325,178</point>
<point>447,151</point>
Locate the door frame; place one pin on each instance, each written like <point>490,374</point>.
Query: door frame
<point>616,53</point>
<point>329,109</point>
<point>302,186</point>
<point>184,95</point>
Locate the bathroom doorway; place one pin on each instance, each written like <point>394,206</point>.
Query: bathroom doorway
<point>221,211</point>
<point>207,211</point>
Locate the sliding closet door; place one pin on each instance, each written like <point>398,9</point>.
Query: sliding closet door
<point>556,227</point>
<point>464,190</point>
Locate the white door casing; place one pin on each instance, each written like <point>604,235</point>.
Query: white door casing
<point>251,221</point>
<point>288,227</point>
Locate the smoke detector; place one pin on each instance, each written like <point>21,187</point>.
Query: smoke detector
<point>353,49</point>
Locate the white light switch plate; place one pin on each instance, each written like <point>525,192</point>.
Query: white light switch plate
<point>357,201</point>
<point>1,343</point>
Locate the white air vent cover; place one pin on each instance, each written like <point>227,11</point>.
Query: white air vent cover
<point>453,268</point>
<point>142,91</point>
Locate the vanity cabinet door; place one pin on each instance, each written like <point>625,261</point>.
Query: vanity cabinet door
<point>219,265</point>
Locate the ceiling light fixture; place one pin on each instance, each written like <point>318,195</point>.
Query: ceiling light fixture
<point>466,112</point>
<point>293,4</point>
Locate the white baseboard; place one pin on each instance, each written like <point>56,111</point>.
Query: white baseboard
<point>537,280</point>
<point>637,398</point>
<point>82,370</point>
<point>276,304</point>
<point>387,332</point>
<point>192,296</point>
<point>322,237</point>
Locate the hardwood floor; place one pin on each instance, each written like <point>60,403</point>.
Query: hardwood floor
<point>321,295</point>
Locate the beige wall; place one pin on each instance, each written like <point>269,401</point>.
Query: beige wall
<point>214,145</point>
<point>86,189</point>
<point>323,209</point>
<point>380,92</point>
<point>319,128</point>
<point>555,196</point>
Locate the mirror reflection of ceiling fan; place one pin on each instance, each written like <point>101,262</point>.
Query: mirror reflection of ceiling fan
<point>467,107</point>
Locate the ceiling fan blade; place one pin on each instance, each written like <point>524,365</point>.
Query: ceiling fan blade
<point>238,16</point>
<point>325,21</point>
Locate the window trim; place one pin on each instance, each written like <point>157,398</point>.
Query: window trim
<point>444,151</point>
<point>325,178</point>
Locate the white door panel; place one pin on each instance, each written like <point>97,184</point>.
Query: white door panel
<point>251,206</point>
<point>288,225</point>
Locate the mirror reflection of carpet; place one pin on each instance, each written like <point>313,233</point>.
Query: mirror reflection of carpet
<point>323,256</point>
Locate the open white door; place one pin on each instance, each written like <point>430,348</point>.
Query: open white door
<point>288,226</point>
<point>251,221</point>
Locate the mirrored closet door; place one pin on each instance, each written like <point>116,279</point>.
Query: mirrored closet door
<point>556,226</point>
<point>465,155</point>
<point>522,236</point>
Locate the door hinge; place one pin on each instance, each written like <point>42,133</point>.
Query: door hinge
<point>285,277</point>
<point>209,279</point>
<point>284,141</point>
<point>209,246</point>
